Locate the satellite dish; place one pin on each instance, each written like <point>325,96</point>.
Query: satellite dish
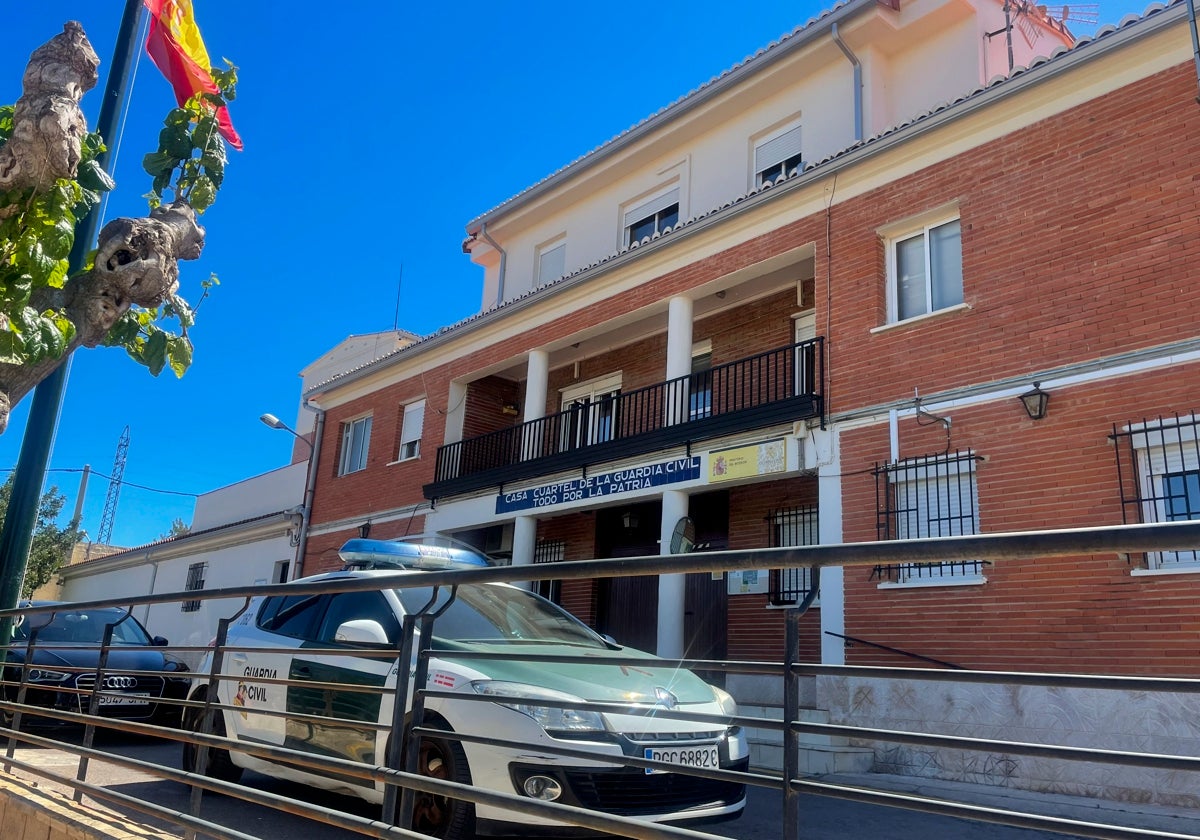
<point>683,538</point>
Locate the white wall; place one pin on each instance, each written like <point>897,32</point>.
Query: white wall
<point>266,493</point>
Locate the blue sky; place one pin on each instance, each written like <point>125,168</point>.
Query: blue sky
<point>373,133</point>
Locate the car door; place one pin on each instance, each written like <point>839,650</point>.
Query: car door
<point>263,651</point>
<point>326,714</point>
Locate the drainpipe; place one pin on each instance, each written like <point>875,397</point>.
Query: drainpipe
<point>1191,5</point>
<point>858,97</point>
<point>503,260</point>
<point>310,485</point>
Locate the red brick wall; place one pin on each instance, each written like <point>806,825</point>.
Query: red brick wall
<point>1060,614</point>
<point>756,631</point>
<point>485,400</point>
<point>578,531</point>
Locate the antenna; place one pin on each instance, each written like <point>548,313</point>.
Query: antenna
<point>1077,13</point>
<point>396,320</point>
<point>114,489</point>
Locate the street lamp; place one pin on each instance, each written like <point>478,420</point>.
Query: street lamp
<point>309,486</point>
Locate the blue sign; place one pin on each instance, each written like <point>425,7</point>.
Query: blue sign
<point>603,484</point>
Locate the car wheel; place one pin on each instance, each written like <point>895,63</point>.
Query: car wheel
<point>220,765</point>
<point>442,816</point>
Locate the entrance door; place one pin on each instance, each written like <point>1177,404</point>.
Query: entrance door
<point>627,607</point>
<point>706,599</point>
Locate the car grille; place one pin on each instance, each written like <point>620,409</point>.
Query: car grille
<point>118,683</point>
<point>631,792</point>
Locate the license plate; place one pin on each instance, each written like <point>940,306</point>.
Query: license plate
<point>704,757</point>
<point>140,699</point>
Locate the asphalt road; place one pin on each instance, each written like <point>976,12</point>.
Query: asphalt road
<point>822,818</point>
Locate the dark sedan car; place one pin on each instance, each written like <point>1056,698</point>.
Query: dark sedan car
<point>61,672</point>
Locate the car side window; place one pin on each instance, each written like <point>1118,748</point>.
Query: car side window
<point>294,615</point>
<point>356,605</point>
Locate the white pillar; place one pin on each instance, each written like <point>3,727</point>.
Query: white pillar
<point>829,503</point>
<point>524,542</point>
<point>679,357</point>
<point>671,588</point>
<point>537,375</point>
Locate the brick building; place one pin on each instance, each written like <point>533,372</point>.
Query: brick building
<point>800,305</point>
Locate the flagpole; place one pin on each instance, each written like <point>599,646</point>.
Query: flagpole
<point>17,533</point>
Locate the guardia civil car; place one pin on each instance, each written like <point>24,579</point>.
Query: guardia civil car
<point>275,633</point>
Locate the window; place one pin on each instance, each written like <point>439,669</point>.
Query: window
<point>195,581</point>
<point>551,262</point>
<point>550,551</point>
<point>351,606</point>
<point>410,430</point>
<point>590,412</point>
<point>777,156</point>
<point>651,217</point>
<point>291,615</point>
<point>280,573</point>
<point>792,526</point>
<point>928,496</point>
<point>356,438</point>
<point>925,270</point>
<point>1158,470</point>
<point>700,385</point>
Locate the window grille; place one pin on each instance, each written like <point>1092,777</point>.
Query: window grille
<point>923,497</point>
<point>195,581</point>
<point>1158,473</point>
<point>550,551</point>
<point>792,526</point>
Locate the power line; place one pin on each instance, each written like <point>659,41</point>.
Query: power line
<point>110,478</point>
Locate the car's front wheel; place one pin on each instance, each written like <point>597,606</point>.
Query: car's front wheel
<point>218,764</point>
<point>443,816</point>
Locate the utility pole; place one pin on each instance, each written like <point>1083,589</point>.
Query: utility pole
<point>30,475</point>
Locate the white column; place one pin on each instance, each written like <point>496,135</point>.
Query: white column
<point>537,375</point>
<point>679,356</point>
<point>671,588</point>
<point>829,503</point>
<point>524,542</point>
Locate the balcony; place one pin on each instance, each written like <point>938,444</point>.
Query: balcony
<point>778,386</point>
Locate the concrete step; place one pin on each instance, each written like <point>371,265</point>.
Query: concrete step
<point>819,754</point>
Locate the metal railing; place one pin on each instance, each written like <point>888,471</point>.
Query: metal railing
<point>779,385</point>
<point>410,726</point>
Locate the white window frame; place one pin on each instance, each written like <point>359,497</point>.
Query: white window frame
<point>551,262</point>
<point>641,209</point>
<point>355,449</point>
<point>1159,455</point>
<point>774,148</point>
<point>412,428</point>
<point>912,575</point>
<point>593,391</point>
<point>700,401</point>
<point>896,235</point>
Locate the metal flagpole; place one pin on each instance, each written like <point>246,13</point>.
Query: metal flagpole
<point>17,533</point>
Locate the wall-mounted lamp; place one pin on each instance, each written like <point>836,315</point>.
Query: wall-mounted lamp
<point>629,520</point>
<point>1035,402</point>
<point>510,408</point>
<point>364,530</point>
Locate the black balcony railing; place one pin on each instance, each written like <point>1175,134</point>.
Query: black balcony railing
<point>776,386</point>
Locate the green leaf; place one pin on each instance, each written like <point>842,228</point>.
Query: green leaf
<point>124,332</point>
<point>12,348</point>
<point>203,194</point>
<point>179,353</point>
<point>6,121</point>
<point>92,176</point>
<point>58,238</point>
<point>154,356</point>
<point>160,163</point>
<point>58,277</point>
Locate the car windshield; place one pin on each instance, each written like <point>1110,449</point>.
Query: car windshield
<point>499,614</point>
<point>84,627</point>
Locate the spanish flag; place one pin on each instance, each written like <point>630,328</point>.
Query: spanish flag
<point>176,48</point>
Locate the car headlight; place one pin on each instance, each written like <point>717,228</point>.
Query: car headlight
<point>523,698</point>
<point>40,675</point>
<point>725,701</point>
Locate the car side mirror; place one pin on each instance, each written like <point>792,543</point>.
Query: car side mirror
<point>159,641</point>
<point>361,631</point>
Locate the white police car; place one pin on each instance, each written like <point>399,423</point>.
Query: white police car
<point>483,617</point>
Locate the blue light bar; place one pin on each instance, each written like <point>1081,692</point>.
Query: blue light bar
<point>373,554</point>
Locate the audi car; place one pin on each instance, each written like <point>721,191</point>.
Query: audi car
<point>61,670</point>
<point>273,687</point>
